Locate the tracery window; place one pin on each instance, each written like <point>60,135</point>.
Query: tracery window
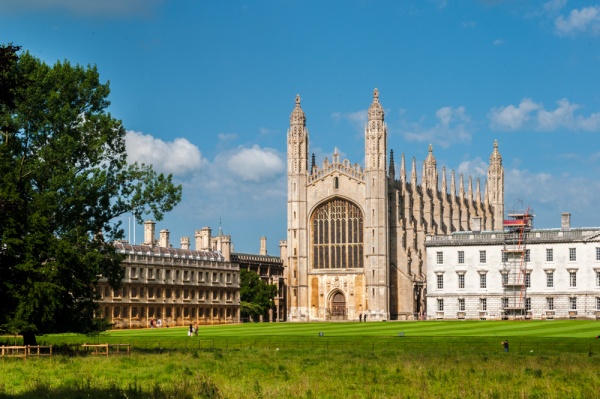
<point>337,235</point>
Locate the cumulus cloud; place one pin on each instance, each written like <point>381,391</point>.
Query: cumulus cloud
<point>512,117</point>
<point>554,5</point>
<point>532,115</point>
<point>177,157</point>
<point>358,118</point>
<point>585,20</point>
<point>255,164</point>
<point>82,7</point>
<point>452,127</point>
<point>474,167</point>
<point>577,195</point>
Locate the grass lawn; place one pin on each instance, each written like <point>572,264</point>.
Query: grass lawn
<point>547,359</point>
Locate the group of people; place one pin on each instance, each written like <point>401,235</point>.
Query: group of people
<point>155,323</point>
<point>193,330</point>
<point>362,317</point>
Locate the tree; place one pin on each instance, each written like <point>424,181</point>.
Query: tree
<point>64,178</point>
<point>256,296</point>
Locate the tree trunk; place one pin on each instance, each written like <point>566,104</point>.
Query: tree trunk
<point>29,339</point>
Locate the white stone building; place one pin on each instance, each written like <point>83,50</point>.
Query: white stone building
<point>557,274</point>
<point>356,236</point>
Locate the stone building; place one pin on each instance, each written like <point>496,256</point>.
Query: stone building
<point>472,275</point>
<point>179,286</point>
<point>270,269</point>
<point>356,235</point>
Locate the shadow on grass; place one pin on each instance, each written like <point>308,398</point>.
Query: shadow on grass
<point>202,388</point>
<point>93,393</point>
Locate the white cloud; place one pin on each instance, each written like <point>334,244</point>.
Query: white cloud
<point>452,127</point>
<point>554,5</point>
<point>255,164</point>
<point>531,115</point>
<point>357,119</point>
<point>226,137</point>
<point>550,195</point>
<point>498,42</point>
<point>475,167</point>
<point>560,117</point>
<point>585,20</point>
<point>511,117</point>
<point>177,157</point>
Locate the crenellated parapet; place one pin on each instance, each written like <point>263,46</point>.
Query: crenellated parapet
<point>345,167</point>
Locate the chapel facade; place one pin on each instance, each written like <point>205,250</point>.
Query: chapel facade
<point>356,236</point>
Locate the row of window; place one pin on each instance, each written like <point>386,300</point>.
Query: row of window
<point>505,256</point>
<point>187,275</point>
<point>157,312</point>
<point>168,293</point>
<point>505,301</point>
<point>520,278</point>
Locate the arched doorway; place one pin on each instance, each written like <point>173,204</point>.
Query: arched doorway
<point>338,306</point>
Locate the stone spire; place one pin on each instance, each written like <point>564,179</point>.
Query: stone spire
<point>453,186</point>
<point>392,167</point>
<point>403,170</point>
<point>478,191</point>
<point>444,185</point>
<point>430,174</point>
<point>375,110</point>
<point>413,174</point>
<point>375,137</point>
<point>297,141</point>
<point>297,117</point>
<point>461,187</point>
<point>495,186</point>
<point>470,188</point>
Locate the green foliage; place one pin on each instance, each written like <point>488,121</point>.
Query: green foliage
<point>64,178</point>
<point>256,296</point>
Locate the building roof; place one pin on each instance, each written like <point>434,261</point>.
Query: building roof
<point>148,250</point>
<point>497,237</point>
<point>239,256</point>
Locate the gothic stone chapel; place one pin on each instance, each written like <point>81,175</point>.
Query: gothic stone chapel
<point>356,237</point>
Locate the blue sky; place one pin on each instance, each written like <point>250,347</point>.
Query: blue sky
<point>205,90</point>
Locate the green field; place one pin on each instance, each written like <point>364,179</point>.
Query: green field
<point>547,359</point>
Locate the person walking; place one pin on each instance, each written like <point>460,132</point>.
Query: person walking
<point>505,345</point>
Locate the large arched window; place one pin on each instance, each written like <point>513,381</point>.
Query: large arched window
<point>337,235</point>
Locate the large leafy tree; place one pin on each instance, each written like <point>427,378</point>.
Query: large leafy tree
<point>256,296</point>
<point>64,178</point>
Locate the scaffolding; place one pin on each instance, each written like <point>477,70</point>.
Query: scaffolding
<point>514,258</point>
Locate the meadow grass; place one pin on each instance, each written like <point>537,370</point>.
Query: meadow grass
<point>557,359</point>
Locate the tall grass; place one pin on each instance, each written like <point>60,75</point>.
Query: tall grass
<point>294,364</point>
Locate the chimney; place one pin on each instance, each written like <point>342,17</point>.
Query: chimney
<point>149,232</point>
<point>203,239</point>
<point>263,246</point>
<point>226,247</point>
<point>565,224</point>
<point>164,238</point>
<point>206,233</point>
<point>283,251</point>
<point>185,243</point>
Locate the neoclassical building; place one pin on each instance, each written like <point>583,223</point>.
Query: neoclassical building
<point>473,275</point>
<point>356,235</point>
<point>178,286</point>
